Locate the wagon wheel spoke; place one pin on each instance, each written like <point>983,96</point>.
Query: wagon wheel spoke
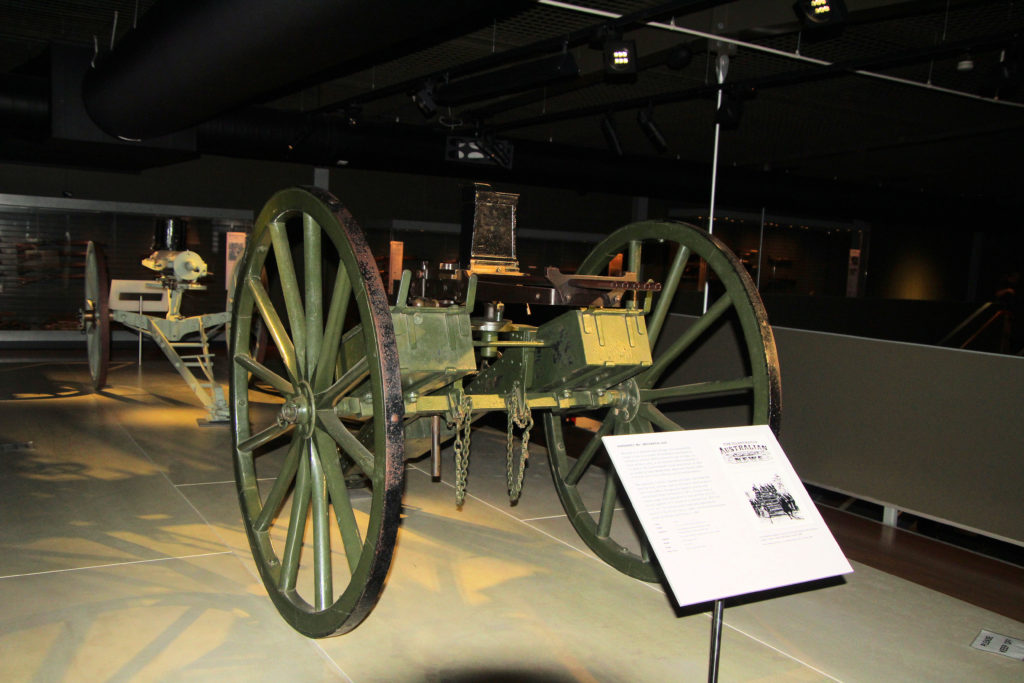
<point>604,521</point>
<point>351,538</point>
<point>314,304</point>
<point>667,294</point>
<point>347,441</point>
<point>678,347</point>
<point>273,323</point>
<point>634,255</point>
<point>272,505</point>
<point>264,373</point>
<point>323,589</point>
<point>351,378</point>
<point>291,292</point>
<point>296,527</point>
<point>590,450</point>
<point>333,328</point>
<point>263,437</point>
<point>697,390</point>
<point>657,418</point>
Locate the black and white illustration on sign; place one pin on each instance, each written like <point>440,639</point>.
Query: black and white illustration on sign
<point>724,511</point>
<point>771,500</point>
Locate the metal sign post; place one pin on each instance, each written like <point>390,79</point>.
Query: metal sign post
<point>716,641</point>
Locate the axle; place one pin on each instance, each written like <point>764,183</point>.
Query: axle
<point>361,407</point>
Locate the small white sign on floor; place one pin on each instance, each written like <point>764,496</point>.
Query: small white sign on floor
<point>999,644</point>
<point>724,511</point>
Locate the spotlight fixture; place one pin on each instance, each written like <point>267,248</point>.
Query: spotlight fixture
<point>820,12</point>
<point>611,136</point>
<point>620,59</point>
<point>965,63</point>
<point>645,119</point>
<point>424,99</point>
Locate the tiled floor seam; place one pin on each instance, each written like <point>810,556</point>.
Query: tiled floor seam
<point>642,583</point>
<point>216,532</point>
<point>115,564</point>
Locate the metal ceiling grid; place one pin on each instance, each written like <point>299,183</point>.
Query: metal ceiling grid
<point>801,118</point>
<point>33,24</point>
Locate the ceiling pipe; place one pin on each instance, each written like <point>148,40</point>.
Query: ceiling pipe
<point>189,62</point>
<point>275,135</point>
<point>24,103</point>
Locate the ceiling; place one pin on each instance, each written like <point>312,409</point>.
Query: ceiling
<point>875,119</point>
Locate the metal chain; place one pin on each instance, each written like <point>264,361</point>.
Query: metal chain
<point>461,420</point>
<point>518,415</point>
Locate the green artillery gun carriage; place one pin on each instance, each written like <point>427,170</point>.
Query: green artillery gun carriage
<point>358,382</point>
<point>179,270</point>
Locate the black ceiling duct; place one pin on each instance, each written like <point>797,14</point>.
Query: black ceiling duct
<point>190,61</point>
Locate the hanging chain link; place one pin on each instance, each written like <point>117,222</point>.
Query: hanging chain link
<point>461,419</point>
<point>519,416</point>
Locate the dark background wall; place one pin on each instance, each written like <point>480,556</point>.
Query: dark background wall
<point>920,280</point>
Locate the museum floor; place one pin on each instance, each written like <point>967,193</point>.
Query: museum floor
<point>122,557</point>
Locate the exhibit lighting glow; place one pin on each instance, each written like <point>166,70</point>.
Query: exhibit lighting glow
<point>620,59</point>
<point>820,12</point>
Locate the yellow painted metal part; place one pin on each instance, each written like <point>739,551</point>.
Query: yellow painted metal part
<point>592,348</point>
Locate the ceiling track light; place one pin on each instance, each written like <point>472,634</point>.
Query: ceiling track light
<point>424,99</point>
<point>645,119</point>
<point>620,59</point>
<point>814,13</point>
<point>611,135</point>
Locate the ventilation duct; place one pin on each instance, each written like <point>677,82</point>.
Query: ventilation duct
<point>190,61</point>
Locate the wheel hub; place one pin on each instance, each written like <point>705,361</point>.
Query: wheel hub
<point>628,404</point>
<point>298,410</point>
<point>86,316</point>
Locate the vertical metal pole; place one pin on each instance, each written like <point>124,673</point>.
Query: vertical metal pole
<point>760,250</point>
<point>716,641</point>
<point>140,334</point>
<point>721,67</point>
<point>435,447</point>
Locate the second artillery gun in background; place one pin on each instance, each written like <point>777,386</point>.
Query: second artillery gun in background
<point>178,271</point>
<point>362,383</point>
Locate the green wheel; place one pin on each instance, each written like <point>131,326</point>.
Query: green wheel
<point>322,550</point>
<point>95,315</point>
<point>671,394</point>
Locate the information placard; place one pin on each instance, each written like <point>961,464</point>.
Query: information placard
<point>724,511</point>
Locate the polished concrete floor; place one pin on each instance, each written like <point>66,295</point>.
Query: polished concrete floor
<point>122,557</point>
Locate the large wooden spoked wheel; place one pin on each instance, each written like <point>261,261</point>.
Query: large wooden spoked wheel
<point>661,395</point>
<point>322,550</point>
<point>95,315</point>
